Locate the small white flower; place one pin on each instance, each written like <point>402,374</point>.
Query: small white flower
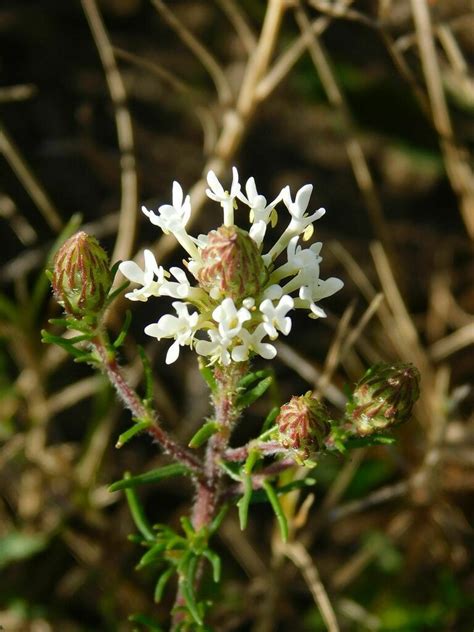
<point>172,218</point>
<point>261,213</point>
<point>297,209</point>
<point>216,347</point>
<point>179,289</point>
<point>182,328</point>
<point>217,193</point>
<point>253,342</point>
<point>321,289</point>
<point>304,262</point>
<point>230,319</point>
<point>275,317</point>
<point>300,222</point>
<point>146,277</point>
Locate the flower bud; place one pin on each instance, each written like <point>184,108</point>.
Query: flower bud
<point>384,397</point>
<point>303,425</point>
<point>233,266</point>
<point>81,276</point>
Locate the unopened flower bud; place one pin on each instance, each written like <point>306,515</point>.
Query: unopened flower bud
<point>233,266</point>
<point>384,397</point>
<point>303,425</point>
<point>81,276</point>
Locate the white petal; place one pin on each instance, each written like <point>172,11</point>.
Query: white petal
<point>302,198</point>
<point>266,350</point>
<point>213,182</point>
<point>327,288</point>
<point>177,195</point>
<point>286,196</point>
<point>317,311</point>
<point>153,330</point>
<point>173,353</point>
<point>132,271</point>
<point>257,231</point>
<point>251,189</point>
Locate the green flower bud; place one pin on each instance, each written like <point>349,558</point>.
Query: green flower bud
<point>233,267</point>
<point>384,397</point>
<point>81,276</point>
<point>303,425</point>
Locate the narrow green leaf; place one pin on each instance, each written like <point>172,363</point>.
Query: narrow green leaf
<point>131,432</point>
<point>231,469</point>
<point>142,619</point>
<point>253,457</point>
<point>79,354</point>
<point>215,562</point>
<point>161,584</point>
<point>363,442</point>
<point>216,523</point>
<point>248,398</point>
<point>138,514</point>
<point>187,527</point>
<point>153,476</point>
<point>248,379</point>
<point>270,419</point>
<point>190,600</point>
<point>124,331</point>
<point>208,375</point>
<point>277,508</point>
<point>152,555</point>
<point>114,270</point>
<point>113,295</point>
<point>203,434</point>
<point>260,496</point>
<point>70,323</point>
<point>244,502</point>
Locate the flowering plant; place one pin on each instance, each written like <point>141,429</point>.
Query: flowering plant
<point>231,300</point>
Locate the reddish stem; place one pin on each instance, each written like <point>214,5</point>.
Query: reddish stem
<point>226,415</point>
<point>133,402</point>
<point>266,448</point>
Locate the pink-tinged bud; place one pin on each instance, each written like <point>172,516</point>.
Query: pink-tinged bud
<point>233,266</point>
<point>383,398</point>
<point>81,276</point>
<point>303,425</point>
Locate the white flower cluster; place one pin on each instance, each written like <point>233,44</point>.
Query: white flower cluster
<point>235,328</point>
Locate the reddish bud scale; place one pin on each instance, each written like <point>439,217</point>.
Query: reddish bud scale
<point>384,397</point>
<point>303,425</point>
<point>81,276</point>
<point>232,264</point>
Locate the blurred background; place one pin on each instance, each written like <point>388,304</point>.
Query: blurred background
<point>103,105</point>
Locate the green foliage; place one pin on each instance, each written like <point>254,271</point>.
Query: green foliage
<point>252,387</point>
<point>153,476</point>
<point>277,509</point>
<point>140,426</point>
<point>203,434</point>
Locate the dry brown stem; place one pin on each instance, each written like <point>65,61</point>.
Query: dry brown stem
<point>123,121</point>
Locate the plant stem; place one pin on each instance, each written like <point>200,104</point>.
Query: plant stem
<point>132,401</point>
<point>266,448</point>
<point>226,415</point>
